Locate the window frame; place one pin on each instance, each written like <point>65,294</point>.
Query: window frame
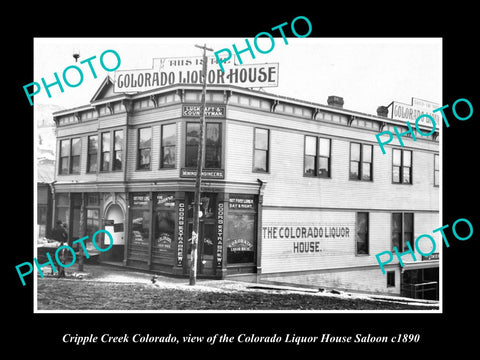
<point>90,154</point>
<point>436,183</point>
<point>360,162</point>
<point>402,230</point>
<point>317,157</point>
<point>390,279</point>
<point>69,157</point>
<point>402,166</point>
<point>139,149</point>
<point>162,147</point>
<point>115,151</point>
<point>267,151</point>
<point>367,233</point>
<point>102,151</point>
<point>61,158</point>
<point>219,148</point>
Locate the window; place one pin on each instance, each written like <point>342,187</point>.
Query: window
<point>401,166</point>
<point>163,228</point>
<point>317,156</point>
<point>261,146</point>
<point>64,156</point>
<point>402,230</point>
<point>117,149</point>
<point>213,145</point>
<point>144,148</point>
<point>105,154</point>
<point>361,236</point>
<point>361,162</point>
<point>75,156</point>
<point>168,153</point>
<point>193,140</point>
<point>92,153</point>
<point>70,151</point>
<point>390,278</point>
<point>436,170</point>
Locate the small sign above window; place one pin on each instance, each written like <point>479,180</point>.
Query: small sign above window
<point>211,111</point>
<point>206,174</point>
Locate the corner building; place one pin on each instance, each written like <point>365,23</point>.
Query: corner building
<point>292,191</point>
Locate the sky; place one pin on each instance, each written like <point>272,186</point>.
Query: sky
<point>366,72</point>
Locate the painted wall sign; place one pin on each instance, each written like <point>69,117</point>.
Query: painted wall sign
<point>211,111</point>
<point>189,71</point>
<point>305,232</point>
<point>180,232</point>
<point>220,218</point>
<point>406,112</point>
<point>206,174</point>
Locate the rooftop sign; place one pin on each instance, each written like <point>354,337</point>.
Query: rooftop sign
<point>188,70</point>
<point>406,112</point>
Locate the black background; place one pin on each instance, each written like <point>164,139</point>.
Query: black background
<point>454,329</point>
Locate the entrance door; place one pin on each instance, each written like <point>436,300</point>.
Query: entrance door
<point>205,248</point>
<point>114,225</point>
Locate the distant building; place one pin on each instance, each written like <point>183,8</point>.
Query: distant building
<point>293,191</point>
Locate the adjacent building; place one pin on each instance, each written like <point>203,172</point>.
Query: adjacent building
<point>293,191</point>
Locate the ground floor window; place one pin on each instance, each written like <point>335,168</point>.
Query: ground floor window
<point>140,225</point>
<point>241,229</point>
<point>164,228</point>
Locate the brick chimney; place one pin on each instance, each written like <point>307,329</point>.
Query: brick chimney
<point>382,111</point>
<point>335,101</point>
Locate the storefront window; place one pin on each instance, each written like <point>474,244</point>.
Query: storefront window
<point>140,227</point>
<point>240,237</point>
<point>164,228</point>
<point>140,215</point>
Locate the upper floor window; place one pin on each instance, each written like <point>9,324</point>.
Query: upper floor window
<point>144,148</point>
<point>317,156</point>
<point>70,150</point>
<point>436,170</point>
<point>401,166</point>
<point>117,149</point>
<point>168,151</point>
<point>261,149</point>
<point>92,153</point>
<point>105,152</point>
<point>361,160</point>
<point>213,145</point>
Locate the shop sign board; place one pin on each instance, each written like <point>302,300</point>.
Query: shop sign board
<point>211,111</point>
<point>410,112</point>
<point>188,70</point>
<point>206,174</point>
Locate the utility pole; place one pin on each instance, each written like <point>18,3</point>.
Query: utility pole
<point>198,179</point>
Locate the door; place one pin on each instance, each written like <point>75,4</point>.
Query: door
<point>205,249</point>
<point>114,225</point>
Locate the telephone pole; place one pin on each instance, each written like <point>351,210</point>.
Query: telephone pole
<point>198,179</point>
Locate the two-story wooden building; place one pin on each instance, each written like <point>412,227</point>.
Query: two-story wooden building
<point>293,191</point>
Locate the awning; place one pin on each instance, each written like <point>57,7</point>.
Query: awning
<point>420,265</point>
